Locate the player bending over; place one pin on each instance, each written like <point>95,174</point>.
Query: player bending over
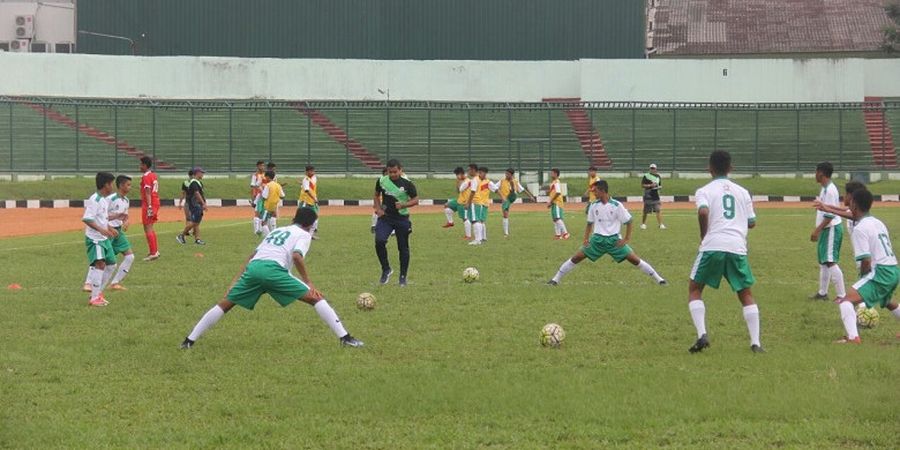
<point>725,212</point>
<point>97,238</point>
<point>268,271</point>
<point>601,236</point>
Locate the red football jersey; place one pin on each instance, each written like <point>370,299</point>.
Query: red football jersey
<point>150,180</point>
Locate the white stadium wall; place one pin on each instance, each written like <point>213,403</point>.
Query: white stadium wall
<point>746,80</point>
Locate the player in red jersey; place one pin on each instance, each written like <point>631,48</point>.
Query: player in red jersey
<point>149,206</point>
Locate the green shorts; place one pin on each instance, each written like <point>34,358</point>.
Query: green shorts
<point>710,267</point>
<point>312,206</point>
<point>830,240</point>
<point>510,199</point>
<point>454,206</point>
<point>99,250</point>
<point>600,245</point>
<point>120,243</point>
<point>266,215</point>
<point>877,287</point>
<point>266,277</point>
<point>260,209</point>
<point>478,213</point>
<point>556,212</point>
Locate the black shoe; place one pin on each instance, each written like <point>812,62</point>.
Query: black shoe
<point>199,242</point>
<point>757,349</point>
<point>373,229</point>
<point>187,344</point>
<point>385,276</point>
<point>402,280</point>
<point>818,296</point>
<point>698,346</point>
<point>350,341</point>
<point>663,283</point>
<point>552,283</point>
<point>180,238</point>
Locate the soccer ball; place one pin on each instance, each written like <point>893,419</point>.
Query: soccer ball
<point>365,301</point>
<point>552,335</point>
<point>866,317</point>
<point>470,275</point>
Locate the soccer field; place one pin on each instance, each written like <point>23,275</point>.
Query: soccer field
<point>446,364</point>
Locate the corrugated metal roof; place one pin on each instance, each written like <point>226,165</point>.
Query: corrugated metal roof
<point>703,27</point>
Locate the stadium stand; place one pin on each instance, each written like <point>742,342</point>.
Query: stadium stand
<point>881,138</point>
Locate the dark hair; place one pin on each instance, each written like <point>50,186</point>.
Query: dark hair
<point>308,168</point>
<point>103,178</point>
<point>720,162</point>
<point>147,161</point>
<point>473,166</point>
<point>394,163</point>
<point>270,165</point>
<point>270,174</point>
<point>260,162</point>
<point>862,198</point>
<point>459,171</point>
<point>511,171</point>
<point>121,179</point>
<point>602,185</point>
<point>592,169</point>
<point>853,186</point>
<point>305,217</point>
<point>191,172</point>
<point>384,170</point>
<point>483,169</point>
<point>826,168</point>
<point>555,170</point>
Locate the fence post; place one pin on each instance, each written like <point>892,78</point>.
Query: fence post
<point>841,137</point>
<point>798,138</point>
<point>230,138</point>
<point>674,136</point>
<point>270,133</point>
<point>429,139</point>
<point>756,144</point>
<point>346,139</point>
<point>715,127</point>
<point>883,138</point>
<point>193,144</point>
<point>509,140</point>
<point>308,136</point>
<point>77,124</point>
<point>153,129</point>
<point>633,138</point>
<point>116,137</point>
<point>45,135</point>
<point>591,114</point>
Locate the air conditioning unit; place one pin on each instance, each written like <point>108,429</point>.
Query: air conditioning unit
<point>64,47</point>
<point>24,27</point>
<point>4,46</point>
<point>19,46</point>
<point>39,47</point>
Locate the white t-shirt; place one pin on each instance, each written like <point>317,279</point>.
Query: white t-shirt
<point>117,205</point>
<point>281,243</point>
<point>730,214</point>
<point>871,240</point>
<point>608,218</point>
<point>96,209</point>
<point>829,195</point>
<point>474,184</point>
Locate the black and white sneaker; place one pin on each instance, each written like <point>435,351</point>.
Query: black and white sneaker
<point>818,296</point>
<point>552,283</point>
<point>200,242</point>
<point>180,238</point>
<point>350,341</point>
<point>385,276</point>
<point>402,280</point>
<point>663,282</point>
<point>701,344</point>
<point>187,344</point>
<point>757,349</point>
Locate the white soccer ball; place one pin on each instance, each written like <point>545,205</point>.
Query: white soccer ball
<point>365,301</point>
<point>470,275</point>
<point>866,317</point>
<point>552,335</point>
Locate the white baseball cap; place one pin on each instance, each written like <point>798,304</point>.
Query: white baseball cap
<point>653,166</point>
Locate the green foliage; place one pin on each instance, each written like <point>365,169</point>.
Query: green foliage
<point>891,43</point>
<point>446,364</point>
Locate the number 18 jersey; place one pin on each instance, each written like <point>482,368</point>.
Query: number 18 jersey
<point>730,215</point>
<point>280,245</point>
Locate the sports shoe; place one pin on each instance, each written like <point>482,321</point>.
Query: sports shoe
<point>698,346</point>
<point>757,349</point>
<point>476,242</point>
<point>448,225</point>
<point>467,238</point>
<point>557,237</point>
<point>372,229</point>
<point>663,282</point>
<point>663,227</point>
<point>818,296</point>
<point>98,301</point>
<point>152,257</point>
<point>552,283</point>
<point>86,287</point>
<point>199,242</point>
<point>846,340</point>
<point>350,341</point>
<point>385,276</point>
<point>643,226</point>
<point>565,236</point>
<point>180,238</point>
<point>402,280</point>
<point>186,344</point>
<point>118,287</point>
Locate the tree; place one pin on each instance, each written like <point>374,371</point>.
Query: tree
<point>891,42</point>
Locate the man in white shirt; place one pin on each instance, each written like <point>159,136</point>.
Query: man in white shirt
<point>97,238</point>
<point>829,234</point>
<point>725,212</point>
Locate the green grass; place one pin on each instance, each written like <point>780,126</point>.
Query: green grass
<point>362,188</point>
<point>445,364</point>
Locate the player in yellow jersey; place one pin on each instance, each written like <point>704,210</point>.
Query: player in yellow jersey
<point>309,195</point>
<point>270,197</point>
<point>556,205</point>
<point>509,189</point>
<point>256,181</point>
<point>477,204</point>
<point>589,193</point>
<point>457,205</point>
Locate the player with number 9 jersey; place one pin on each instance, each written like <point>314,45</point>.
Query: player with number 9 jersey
<point>730,215</point>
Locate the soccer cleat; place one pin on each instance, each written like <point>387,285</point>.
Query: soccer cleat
<point>118,287</point>
<point>552,283</point>
<point>757,349</point>
<point>663,227</point>
<point>448,225</point>
<point>565,236</point>
<point>373,229</point>
<point>199,242</point>
<point>350,341</point>
<point>152,257</point>
<point>402,280</point>
<point>643,226</point>
<point>86,287</point>
<point>818,296</point>
<point>476,242</point>
<point>385,276</point>
<point>663,283</point>
<point>98,301</point>
<point>846,340</point>
<point>698,346</point>
<point>557,237</point>
<point>187,344</point>
<point>180,238</point>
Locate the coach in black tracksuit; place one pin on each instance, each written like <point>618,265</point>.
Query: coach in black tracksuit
<point>394,194</point>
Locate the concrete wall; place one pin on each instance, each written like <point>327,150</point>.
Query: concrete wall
<point>746,80</point>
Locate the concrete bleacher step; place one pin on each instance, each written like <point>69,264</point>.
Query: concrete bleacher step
<point>881,138</point>
<point>583,128</point>
<point>359,151</point>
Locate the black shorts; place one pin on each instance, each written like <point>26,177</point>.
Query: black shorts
<point>195,214</point>
<point>651,206</point>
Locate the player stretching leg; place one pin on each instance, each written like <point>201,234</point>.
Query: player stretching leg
<point>509,189</point>
<point>725,212</point>
<point>829,234</point>
<point>149,206</point>
<point>601,236</point>
<point>556,206</point>
<point>268,272</point>
<point>97,234</point>
<point>455,205</point>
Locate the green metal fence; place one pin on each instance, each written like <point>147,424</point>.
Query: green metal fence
<point>82,136</point>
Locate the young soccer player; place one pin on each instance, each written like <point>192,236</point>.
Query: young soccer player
<point>256,187</point>
<point>589,193</point>
<point>118,219</point>
<point>455,205</point>
<point>602,236</point>
<point>196,206</point>
<point>98,235</point>
<point>271,197</point>
<point>149,206</point>
<point>477,204</point>
<point>509,189</point>
<point>829,234</point>
<point>725,212</point>
<point>471,173</point>
<point>652,183</point>
<point>268,271</point>
<point>556,206</point>
<point>844,211</point>
<point>309,195</point>
<point>878,271</point>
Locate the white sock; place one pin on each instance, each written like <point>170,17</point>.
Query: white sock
<point>95,277</point>
<point>649,270</point>
<point>478,228</point>
<point>124,267</point>
<point>108,273</point>
<point>698,315</point>
<point>256,226</point>
<point>468,227</point>
<point>209,319</point>
<point>896,313</point>
<point>562,227</point>
<point>823,280</point>
<point>848,316</point>
<point>751,316</point>
<point>506,226</point>
<point>449,214</point>
<point>265,229</point>
<point>556,228</point>
<point>273,223</point>
<point>374,219</point>
<point>837,277</point>
<point>87,276</point>
<point>330,318</point>
<point>565,268</point>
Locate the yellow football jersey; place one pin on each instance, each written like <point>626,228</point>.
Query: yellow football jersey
<point>554,189</point>
<point>591,181</point>
<point>276,192</point>
<point>483,194</point>
<point>507,187</point>
<point>464,188</point>
<point>311,184</point>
